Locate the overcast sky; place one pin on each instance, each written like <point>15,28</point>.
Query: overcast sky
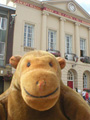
<point>84,3</point>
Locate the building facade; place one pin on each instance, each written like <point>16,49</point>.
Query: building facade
<point>6,43</point>
<point>61,25</point>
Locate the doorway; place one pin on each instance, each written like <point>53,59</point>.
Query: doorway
<point>70,78</point>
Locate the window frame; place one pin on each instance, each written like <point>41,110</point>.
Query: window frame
<point>29,38</point>
<point>84,80</point>
<point>82,47</point>
<point>70,76</point>
<point>52,39</point>
<point>3,50</point>
<point>68,44</point>
<point>3,21</point>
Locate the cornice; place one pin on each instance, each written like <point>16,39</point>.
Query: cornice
<point>56,1</point>
<point>36,3</point>
<point>53,10</point>
<point>45,4</point>
<point>65,12</point>
<point>69,17</point>
<point>73,1</point>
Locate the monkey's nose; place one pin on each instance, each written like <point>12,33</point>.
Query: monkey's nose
<point>41,84</point>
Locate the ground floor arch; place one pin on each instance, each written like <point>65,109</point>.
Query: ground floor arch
<point>72,79</point>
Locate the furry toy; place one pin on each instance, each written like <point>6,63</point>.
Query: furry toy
<point>37,92</point>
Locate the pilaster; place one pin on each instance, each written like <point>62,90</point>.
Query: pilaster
<point>89,41</point>
<point>62,37</point>
<point>77,40</point>
<point>44,30</point>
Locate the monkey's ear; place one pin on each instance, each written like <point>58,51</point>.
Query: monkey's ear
<point>62,62</point>
<point>14,60</point>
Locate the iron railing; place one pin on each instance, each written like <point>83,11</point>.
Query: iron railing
<point>71,57</point>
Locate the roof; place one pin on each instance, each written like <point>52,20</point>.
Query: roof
<point>53,0</point>
<point>59,1</point>
<point>7,7</point>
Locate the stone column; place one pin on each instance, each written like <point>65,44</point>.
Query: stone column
<point>44,31</point>
<point>77,40</point>
<point>62,37</point>
<point>89,43</point>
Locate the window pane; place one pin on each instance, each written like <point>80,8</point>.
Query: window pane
<point>1,48</point>
<point>2,35</point>
<point>3,23</point>
<point>84,80</point>
<point>1,61</point>
<point>70,76</point>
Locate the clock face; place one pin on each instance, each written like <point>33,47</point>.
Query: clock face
<point>71,7</point>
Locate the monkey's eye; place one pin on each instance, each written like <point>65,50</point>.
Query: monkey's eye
<point>28,64</point>
<point>51,65</point>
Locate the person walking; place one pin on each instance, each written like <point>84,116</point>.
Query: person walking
<point>84,95</point>
<point>87,97</point>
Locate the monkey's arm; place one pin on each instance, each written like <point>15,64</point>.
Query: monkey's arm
<point>2,112</point>
<point>74,107</point>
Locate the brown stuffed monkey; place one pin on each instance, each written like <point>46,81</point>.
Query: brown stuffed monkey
<point>37,92</point>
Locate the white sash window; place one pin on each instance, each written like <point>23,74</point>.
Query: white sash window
<point>2,50</point>
<point>68,44</point>
<point>29,35</point>
<point>3,23</point>
<point>84,80</point>
<point>82,47</point>
<point>51,40</point>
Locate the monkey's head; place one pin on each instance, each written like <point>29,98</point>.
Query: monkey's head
<point>38,74</point>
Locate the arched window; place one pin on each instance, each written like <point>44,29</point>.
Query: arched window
<point>84,80</point>
<point>70,78</point>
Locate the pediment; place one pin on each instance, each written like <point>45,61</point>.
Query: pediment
<point>64,5</point>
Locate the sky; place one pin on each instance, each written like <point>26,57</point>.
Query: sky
<point>83,3</point>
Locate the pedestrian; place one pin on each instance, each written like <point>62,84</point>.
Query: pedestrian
<point>87,97</point>
<point>84,95</point>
